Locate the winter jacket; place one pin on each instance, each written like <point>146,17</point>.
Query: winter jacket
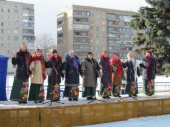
<point>106,76</point>
<point>71,76</point>
<point>54,74</point>
<point>20,61</point>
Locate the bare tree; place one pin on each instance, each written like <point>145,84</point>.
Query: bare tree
<point>46,43</point>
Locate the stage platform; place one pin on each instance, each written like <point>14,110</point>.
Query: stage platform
<point>77,113</point>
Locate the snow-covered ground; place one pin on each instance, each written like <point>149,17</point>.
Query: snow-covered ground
<point>154,121</point>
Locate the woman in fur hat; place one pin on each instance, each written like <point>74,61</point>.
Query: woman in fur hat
<point>54,76</point>
<point>149,71</point>
<point>90,68</point>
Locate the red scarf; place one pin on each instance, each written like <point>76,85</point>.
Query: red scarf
<point>41,58</point>
<point>107,59</point>
<point>119,68</point>
<point>55,60</point>
<point>28,58</point>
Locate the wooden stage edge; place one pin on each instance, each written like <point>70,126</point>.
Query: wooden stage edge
<point>81,113</point>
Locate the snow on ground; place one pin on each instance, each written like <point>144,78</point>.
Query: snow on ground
<point>154,121</point>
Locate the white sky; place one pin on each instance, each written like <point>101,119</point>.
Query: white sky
<point>46,10</point>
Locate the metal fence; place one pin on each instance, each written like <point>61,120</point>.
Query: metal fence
<point>159,87</point>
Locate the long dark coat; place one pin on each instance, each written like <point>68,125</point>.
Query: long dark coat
<point>71,76</point>
<point>130,70</point>
<point>106,76</point>
<point>54,77</point>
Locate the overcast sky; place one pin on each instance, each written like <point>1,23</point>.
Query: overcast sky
<point>46,10</point>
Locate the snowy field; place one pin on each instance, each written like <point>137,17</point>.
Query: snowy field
<point>155,121</point>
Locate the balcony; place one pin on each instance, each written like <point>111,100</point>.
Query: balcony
<point>60,24</point>
<point>78,27</point>
<point>28,34</point>
<point>60,38</point>
<point>60,17</point>
<point>60,30</point>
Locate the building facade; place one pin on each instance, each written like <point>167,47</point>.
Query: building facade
<point>85,29</point>
<point>16,26</point>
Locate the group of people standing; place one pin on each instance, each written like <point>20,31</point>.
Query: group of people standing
<point>111,73</point>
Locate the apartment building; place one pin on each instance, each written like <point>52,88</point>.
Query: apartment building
<point>16,26</point>
<point>85,28</point>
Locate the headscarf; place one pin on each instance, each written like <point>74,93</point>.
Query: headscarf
<point>42,60</point>
<point>149,64</point>
<point>119,68</point>
<point>75,62</point>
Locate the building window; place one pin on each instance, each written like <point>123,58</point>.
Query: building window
<point>97,22</point>
<point>103,41</point>
<point>15,11</point>
<point>91,41</point>
<point>97,41</point>
<point>15,31</point>
<point>2,24</point>
<point>103,29</point>
<point>103,22</point>
<point>103,16</point>
<point>97,48</point>
<point>97,28</point>
<point>16,38</point>
<point>8,31</point>
<point>15,18</point>
<point>97,34</point>
<point>16,25</point>
<point>104,35</point>
<point>2,30</point>
<point>8,10</point>
<point>91,27</point>
<point>2,10</point>
<point>97,15</point>
<point>127,36</point>
<point>91,21</point>
<point>91,48</point>
<point>8,38</point>
<point>104,48</point>
<point>8,17</point>
<point>91,34</point>
<point>2,17</point>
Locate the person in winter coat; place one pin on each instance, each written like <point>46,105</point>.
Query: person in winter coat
<point>117,75</point>
<point>20,85</point>
<point>149,71</point>
<point>54,76</point>
<point>131,75</point>
<point>38,67</point>
<point>71,69</point>
<point>105,88</point>
<point>90,70</point>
